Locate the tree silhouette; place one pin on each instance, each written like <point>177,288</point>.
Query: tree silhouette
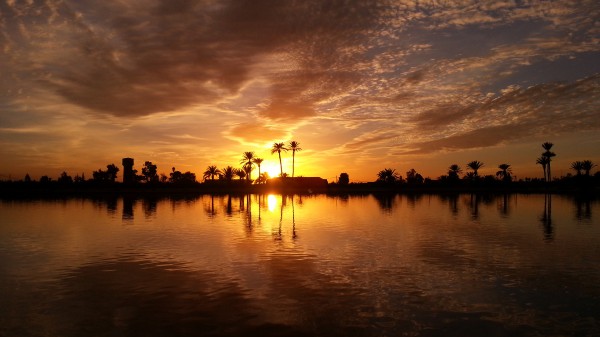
<point>258,162</point>
<point>577,166</point>
<point>388,176</point>
<point>278,147</point>
<point>344,179</point>
<point>475,166</point>
<point>295,147</point>
<point>211,172</point>
<point>247,162</point>
<point>247,168</point>
<point>112,172</point>
<point>505,172</point>
<point>182,178</point>
<point>109,175</point>
<point>413,177</point>
<point>65,178</point>
<point>453,171</point>
<point>228,173</point>
<point>587,166</point>
<point>149,172</point>
<point>544,162</point>
<point>262,178</point>
<point>240,173</point>
<point>548,154</point>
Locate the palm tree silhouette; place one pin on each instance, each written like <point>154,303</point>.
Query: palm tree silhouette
<point>295,147</point>
<point>544,162</point>
<point>228,173</point>
<point>387,175</point>
<point>475,166</point>
<point>248,170</point>
<point>241,173</point>
<point>247,161</point>
<point>211,171</point>
<point>453,171</point>
<point>278,147</point>
<point>262,178</point>
<point>505,172</point>
<point>548,154</point>
<point>258,161</point>
<point>587,166</point>
<point>577,166</point>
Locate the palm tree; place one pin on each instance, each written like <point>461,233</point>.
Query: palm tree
<point>248,170</point>
<point>247,161</point>
<point>257,161</point>
<point>548,154</point>
<point>278,147</point>
<point>475,166</point>
<point>295,147</point>
<point>388,176</point>
<point>577,166</point>
<point>505,172</point>
<point>587,166</point>
<point>241,173</point>
<point>544,162</point>
<point>211,171</point>
<point>228,173</point>
<point>453,171</point>
<point>262,178</point>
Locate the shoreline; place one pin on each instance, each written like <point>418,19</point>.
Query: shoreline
<point>19,190</point>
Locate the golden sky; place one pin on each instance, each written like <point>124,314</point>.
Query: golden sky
<point>362,85</point>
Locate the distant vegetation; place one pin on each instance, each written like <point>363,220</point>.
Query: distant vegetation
<point>387,178</point>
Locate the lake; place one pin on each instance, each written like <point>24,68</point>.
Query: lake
<point>313,265</point>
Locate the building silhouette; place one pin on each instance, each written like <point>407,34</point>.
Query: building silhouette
<point>128,172</point>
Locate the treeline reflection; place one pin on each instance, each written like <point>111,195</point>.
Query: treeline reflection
<point>252,206</point>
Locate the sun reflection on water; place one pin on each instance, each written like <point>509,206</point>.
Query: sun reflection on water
<point>271,202</point>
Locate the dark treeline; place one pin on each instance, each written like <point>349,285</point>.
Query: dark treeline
<point>232,179</point>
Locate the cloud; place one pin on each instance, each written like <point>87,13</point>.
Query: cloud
<point>255,132</point>
<point>370,78</point>
<point>130,59</point>
<point>540,110</point>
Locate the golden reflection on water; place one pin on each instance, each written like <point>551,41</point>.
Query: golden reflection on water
<point>272,202</point>
<point>373,264</point>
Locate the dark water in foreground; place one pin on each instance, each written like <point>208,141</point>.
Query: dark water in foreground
<point>518,265</point>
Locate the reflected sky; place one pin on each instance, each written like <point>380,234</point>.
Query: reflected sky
<point>366,265</point>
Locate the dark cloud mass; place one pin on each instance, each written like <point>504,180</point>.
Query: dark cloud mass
<point>130,59</point>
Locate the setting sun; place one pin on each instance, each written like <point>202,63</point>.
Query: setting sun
<point>270,167</point>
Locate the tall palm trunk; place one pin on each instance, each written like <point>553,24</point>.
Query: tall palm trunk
<point>293,161</point>
<point>545,175</point>
<point>280,165</point>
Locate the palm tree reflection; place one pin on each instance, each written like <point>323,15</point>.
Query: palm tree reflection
<point>583,208</point>
<point>385,201</point>
<point>474,205</point>
<point>278,235</point>
<point>503,207</point>
<point>546,218</point>
<point>293,220</point>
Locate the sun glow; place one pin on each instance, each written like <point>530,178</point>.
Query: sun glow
<point>272,168</point>
<point>271,202</point>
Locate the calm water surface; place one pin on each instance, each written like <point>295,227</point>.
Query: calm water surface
<point>272,265</point>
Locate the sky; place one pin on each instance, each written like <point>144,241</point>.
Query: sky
<point>361,85</point>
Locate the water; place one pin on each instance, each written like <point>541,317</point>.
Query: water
<point>272,265</point>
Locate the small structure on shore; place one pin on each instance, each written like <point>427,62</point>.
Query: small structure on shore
<point>128,173</point>
<point>298,184</point>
